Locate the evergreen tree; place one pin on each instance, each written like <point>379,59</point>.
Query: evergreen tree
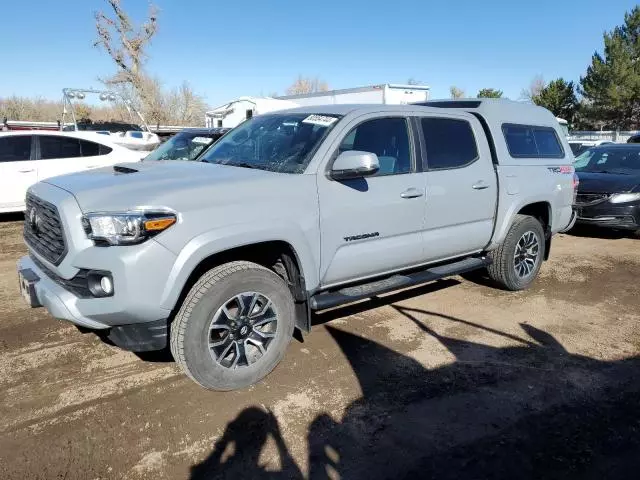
<point>611,86</point>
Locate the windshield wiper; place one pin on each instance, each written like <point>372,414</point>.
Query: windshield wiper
<point>243,165</point>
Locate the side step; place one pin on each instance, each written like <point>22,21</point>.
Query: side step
<point>345,295</point>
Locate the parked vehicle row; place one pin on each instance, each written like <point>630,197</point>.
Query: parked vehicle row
<point>292,212</point>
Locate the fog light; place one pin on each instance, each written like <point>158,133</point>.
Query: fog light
<point>100,283</point>
<point>107,285</point>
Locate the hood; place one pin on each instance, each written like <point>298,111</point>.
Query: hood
<point>172,184</point>
<point>607,182</point>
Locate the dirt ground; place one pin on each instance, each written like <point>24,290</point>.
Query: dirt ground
<point>450,380</point>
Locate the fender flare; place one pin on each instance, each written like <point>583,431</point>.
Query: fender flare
<point>505,222</point>
<point>226,238</point>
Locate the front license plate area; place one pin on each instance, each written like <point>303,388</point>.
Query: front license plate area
<point>27,280</point>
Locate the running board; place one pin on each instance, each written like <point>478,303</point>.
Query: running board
<point>331,299</point>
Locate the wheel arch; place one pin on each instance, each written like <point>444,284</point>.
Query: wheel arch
<point>279,256</point>
<point>541,211</point>
<point>539,208</point>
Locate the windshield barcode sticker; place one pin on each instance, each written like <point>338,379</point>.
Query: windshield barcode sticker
<point>320,120</point>
<point>202,140</point>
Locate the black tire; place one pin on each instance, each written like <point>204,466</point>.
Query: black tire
<point>503,269</point>
<point>190,334</point>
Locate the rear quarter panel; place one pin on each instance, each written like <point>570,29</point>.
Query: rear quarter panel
<point>524,185</point>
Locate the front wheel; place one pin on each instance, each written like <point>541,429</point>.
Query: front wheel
<point>517,261</point>
<point>234,326</point>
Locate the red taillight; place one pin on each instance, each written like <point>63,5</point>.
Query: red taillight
<point>576,181</point>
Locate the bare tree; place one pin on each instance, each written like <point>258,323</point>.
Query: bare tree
<point>83,111</point>
<point>535,88</point>
<point>187,106</point>
<point>307,85</point>
<point>456,92</point>
<point>15,108</point>
<point>126,44</point>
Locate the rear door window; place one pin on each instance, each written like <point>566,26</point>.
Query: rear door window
<point>530,141</point>
<point>15,149</point>
<point>92,149</point>
<point>52,147</point>
<point>449,142</point>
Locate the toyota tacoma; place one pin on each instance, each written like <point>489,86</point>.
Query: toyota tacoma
<point>293,212</point>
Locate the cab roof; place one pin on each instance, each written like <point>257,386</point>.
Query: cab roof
<point>495,111</point>
<point>499,110</point>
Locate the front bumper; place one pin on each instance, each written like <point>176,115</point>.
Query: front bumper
<point>619,216</point>
<point>39,290</point>
<point>136,296</point>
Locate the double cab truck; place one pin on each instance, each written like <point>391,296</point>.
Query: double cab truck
<point>293,212</point>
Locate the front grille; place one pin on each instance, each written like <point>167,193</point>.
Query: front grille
<point>43,229</point>
<point>78,285</point>
<point>586,199</point>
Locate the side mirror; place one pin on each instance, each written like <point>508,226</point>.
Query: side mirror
<point>354,164</point>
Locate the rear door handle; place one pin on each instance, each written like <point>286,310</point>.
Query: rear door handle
<point>481,185</point>
<point>27,171</point>
<point>412,193</point>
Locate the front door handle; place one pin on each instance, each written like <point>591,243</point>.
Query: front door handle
<point>412,193</point>
<point>27,171</point>
<point>481,185</point>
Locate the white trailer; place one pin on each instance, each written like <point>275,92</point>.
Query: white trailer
<point>391,94</point>
<point>237,111</point>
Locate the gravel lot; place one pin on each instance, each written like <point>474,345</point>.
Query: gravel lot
<point>450,380</point>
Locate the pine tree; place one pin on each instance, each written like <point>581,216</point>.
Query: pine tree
<point>489,93</point>
<point>558,96</point>
<point>611,86</point>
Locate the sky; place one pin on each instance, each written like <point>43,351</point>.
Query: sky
<point>241,47</point>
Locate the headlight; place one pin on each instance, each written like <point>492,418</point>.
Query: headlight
<point>624,197</point>
<point>126,228</point>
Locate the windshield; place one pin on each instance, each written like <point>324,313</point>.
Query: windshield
<point>275,142</point>
<point>609,160</point>
<point>183,146</point>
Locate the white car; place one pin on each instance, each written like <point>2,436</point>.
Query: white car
<point>28,156</point>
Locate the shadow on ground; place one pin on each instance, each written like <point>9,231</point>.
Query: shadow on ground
<point>532,410</point>
<point>590,231</point>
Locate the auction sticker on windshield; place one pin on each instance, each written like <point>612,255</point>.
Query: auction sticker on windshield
<point>202,140</point>
<point>320,120</point>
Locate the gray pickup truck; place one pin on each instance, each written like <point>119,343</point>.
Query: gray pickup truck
<point>294,212</point>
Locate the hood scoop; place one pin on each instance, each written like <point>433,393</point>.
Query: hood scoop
<point>123,169</point>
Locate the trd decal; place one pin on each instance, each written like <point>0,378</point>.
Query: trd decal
<point>563,169</point>
<point>353,238</point>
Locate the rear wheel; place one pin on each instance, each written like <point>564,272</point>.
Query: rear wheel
<point>234,326</point>
<point>517,261</point>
